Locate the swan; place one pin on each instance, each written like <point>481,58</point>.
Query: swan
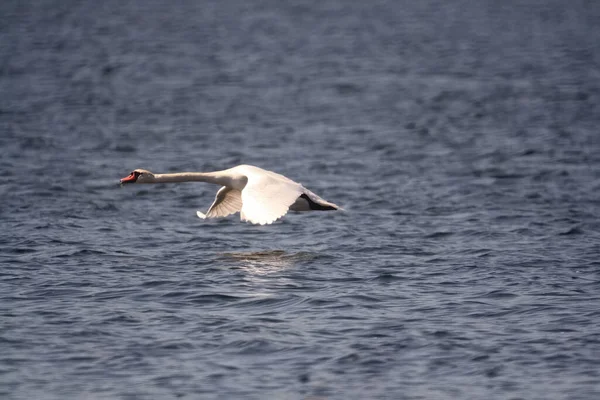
<point>261,196</point>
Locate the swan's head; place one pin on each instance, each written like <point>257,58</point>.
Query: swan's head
<point>138,176</point>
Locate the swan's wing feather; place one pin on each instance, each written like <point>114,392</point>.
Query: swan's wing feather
<point>268,197</point>
<point>321,201</point>
<point>227,201</point>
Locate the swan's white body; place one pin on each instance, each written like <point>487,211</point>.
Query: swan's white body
<point>260,196</point>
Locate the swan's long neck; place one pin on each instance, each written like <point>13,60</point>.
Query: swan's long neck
<point>218,177</point>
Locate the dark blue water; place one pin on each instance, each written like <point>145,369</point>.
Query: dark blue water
<point>462,137</point>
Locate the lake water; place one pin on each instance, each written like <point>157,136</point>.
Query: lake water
<point>462,138</point>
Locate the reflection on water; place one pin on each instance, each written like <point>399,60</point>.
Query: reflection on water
<point>267,261</point>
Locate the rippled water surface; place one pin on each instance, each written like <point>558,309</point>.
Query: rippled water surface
<point>462,137</point>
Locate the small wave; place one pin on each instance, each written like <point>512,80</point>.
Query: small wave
<point>211,298</point>
<point>386,277</point>
<point>21,250</point>
<point>576,230</point>
<point>438,235</point>
<point>271,303</point>
<point>78,253</point>
<point>498,294</point>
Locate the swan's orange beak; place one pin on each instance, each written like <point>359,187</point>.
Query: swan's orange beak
<point>130,179</point>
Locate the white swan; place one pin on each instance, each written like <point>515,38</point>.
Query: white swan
<point>262,196</point>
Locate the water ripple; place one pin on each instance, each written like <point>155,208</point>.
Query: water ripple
<point>464,149</point>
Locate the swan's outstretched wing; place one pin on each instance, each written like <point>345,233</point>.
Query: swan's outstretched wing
<point>268,197</point>
<point>227,201</point>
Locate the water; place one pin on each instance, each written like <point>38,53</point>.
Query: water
<point>462,138</point>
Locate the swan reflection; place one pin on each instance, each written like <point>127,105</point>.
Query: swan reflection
<point>267,261</point>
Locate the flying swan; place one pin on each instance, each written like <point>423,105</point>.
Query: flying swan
<point>261,196</point>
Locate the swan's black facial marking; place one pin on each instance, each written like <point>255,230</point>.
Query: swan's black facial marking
<point>132,178</point>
